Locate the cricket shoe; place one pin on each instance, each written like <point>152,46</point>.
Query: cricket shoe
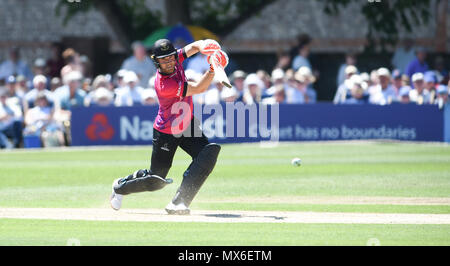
<point>116,199</point>
<point>178,209</point>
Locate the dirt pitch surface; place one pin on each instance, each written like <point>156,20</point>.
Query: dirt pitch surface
<point>153,215</point>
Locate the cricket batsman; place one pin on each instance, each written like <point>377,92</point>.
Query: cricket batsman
<point>175,126</point>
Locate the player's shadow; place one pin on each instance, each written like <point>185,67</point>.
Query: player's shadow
<point>227,215</point>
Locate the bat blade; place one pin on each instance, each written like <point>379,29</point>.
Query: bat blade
<point>221,75</point>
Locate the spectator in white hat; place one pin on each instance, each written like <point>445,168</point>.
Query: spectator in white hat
<point>343,91</point>
<point>70,95</point>
<point>253,86</point>
<point>278,96</point>
<point>237,81</point>
<point>350,60</point>
<point>102,97</point>
<point>298,94</point>
<point>229,94</point>
<point>39,83</point>
<point>419,95</point>
<point>131,93</point>
<point>358,93</point>
<point>310,79</point>
<point>149,97</point>
<point>383,93</point>
<point>278,79</point>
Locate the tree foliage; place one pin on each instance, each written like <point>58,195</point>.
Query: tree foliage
<point>219,16</point>
<point>386,18</point>
<point>136,19</point>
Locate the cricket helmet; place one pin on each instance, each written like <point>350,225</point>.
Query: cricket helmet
<point>163,48</point>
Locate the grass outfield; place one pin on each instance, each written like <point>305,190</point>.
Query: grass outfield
<point>247,177</point>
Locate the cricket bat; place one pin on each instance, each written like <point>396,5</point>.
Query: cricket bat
<point>220,74</point>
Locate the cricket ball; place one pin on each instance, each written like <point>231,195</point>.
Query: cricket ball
<point>296,162</point>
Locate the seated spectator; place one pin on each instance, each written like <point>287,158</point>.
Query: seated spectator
<point>383,93</point>
<point>21,86</point>
<point>99,82</point>
<point>86,85</point>
<point>278,80</point>
<point>130,94</point>
<point>396,80</point>
<point>14,66</point>
<point>11,120</point>
<point>101,97</point>
<point>406,80</point>
<point>442,92</point>
<point>149,97</point>
<point>55,83</point>
<point>430,80</point>
<point>229,95</point>
<point>237,81</point>
<point>343,90</point>
<point>418,65</point>
<point>350,60</point>
<point>419,95</point>
<point>39,83</point>
<point>358,93</point>
<point>265,78</point>
<point>310,79</point>
<point>119,78</point>
<point>39,122</point>
<point>278,96</point>
<point>253,86</point>
<point>403,94</point>
<point>297,94</point>
<point>140,64</point>
<point>14,98</point>
<point>374,80</point>
<point>70,95</point>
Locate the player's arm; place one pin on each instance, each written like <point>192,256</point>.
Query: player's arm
<point>202,85</point>
<point>193,48</point>
<point>206,47</point>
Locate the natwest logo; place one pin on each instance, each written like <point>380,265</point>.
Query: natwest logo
<point>99,129</point>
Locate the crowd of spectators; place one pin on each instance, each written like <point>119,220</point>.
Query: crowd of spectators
<point>37,102</point>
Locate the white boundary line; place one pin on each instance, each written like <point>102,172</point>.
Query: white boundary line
<point>153,215</point>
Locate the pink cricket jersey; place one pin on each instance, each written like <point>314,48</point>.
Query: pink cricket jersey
<point>175,109</point>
